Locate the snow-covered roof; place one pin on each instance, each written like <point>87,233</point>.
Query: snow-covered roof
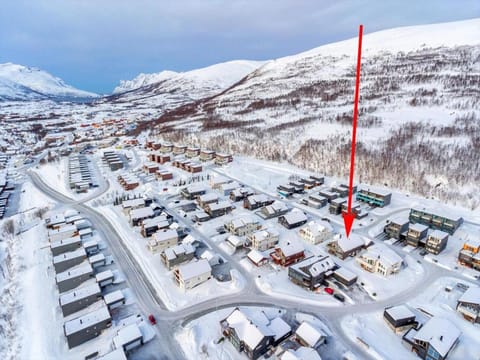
<point>291,249</point>
<point>418,227</point>
<point>117,354</point>
<point>113,297</point>
<point>345,274</point>
<point>438,234</point>
<point>250,331</point>
<point>173,252</point>
<point>440,333</point>
<point>90,243</point>
<point>62,229</point>
<point>84,268</point>
<point>221,205</point>
<point>440,212</point>
<point>350,243</point>
<point>243,221</point>
<point>195,188</point>
<point>319,227</point>
<point>295,216</point>
<point>69,255</point>
<point>160,221</point>
<point>63,242</point>
<point>96,258</point>
<point>104,275</point>
<point>279,328</point>
<point>264,234</point>
<point>133,203</point>
<point>302,353</point>
<point>315,265</point>
<point>256,256</point>
<point>194,269</point>
<point>471,296</point>
<point>56,219</point>
<point>127,335</point>
<point>399,312</point>
<point>141,213</point>
<point>208,197</point>
<point>87,320</point>
<point>309,333</point>
<point>385,255</point>
<point>165,235</point>
<point>235,240</point>
<point>79,293</point>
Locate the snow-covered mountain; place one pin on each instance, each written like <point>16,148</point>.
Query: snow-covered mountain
<point>215,77</point>
<point>19,82</point>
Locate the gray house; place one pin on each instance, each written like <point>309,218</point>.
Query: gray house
<point>311,272</point>
<point>67,260</point>
<point>70,279</point>
<point>79,298</point>
<point>87,327</point>
<point>97,260</point>
<point>65,245</point>
<point>104,278</point>
<point>436,242</point>
<point>177,255</point>
<point>114,299</point>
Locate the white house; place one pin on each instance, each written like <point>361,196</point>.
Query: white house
<point>163,239</point>
<point>380,259</point>
<point>192,274</point>
<point>316,232</point>
<point>264,239</point>
<point>242,226</point>
<point>308,335</point>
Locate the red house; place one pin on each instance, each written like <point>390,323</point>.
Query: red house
<point>288,254</point>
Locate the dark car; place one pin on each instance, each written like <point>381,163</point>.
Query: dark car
<point>339,297</point>
<point>152,319</point>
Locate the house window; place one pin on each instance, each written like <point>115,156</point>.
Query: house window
<point>432,354</point>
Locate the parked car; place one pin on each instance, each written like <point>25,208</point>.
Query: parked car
<point>152,319</point>
<point>339,297</point>
<point>329,290</point>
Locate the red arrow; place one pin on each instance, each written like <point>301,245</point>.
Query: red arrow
<point>348,216</point>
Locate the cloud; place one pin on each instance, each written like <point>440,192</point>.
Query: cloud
<point>92,44</point>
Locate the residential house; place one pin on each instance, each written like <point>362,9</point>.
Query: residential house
<point>236,241</point>
<point>150,168</point>
<point>226,189</point>
<point>62,232</point>
<point>345,276</point>
<point>262,240</point>
<point>316,201</point>
<point>329,195</point>
<point>416,234</point>
<point>150,226</point>
<point>87,327</point>
<point>72,278</point>
<point>68,260</point>
<point>128,338</point>
<point>399,318</point>
<point>223,159</point>
<point>132,204</point>
<point>114,299</point>
<point>436,219</point>
<point>396,228</point>
<point>308,335</point>
<point>378,198</point>
<point>311,272</point>
<point>206,155</point>
<point>469,255</point>
<point>253,202</point>
<point>209,198</point>
<point>192,191</point>
<point>335,207</point>
<point>65,245</point>
<point>192,274</point>
<point>136,216</point>
<point>192,152</point>
<point>179,149</point>
<point>217,181</point>
<point>276,209</point>
<point>288,254</point>
<point>257,258</point>
<point>434,340</point>
<point>79,299</point>
<point>241,194</point>
<point>242,226</point>
<point>469,304</point>
<point>177,255</point>
<point>316,232</point>
<point>343,247</point>
<point>218,209</point>
<point>293,219</point>
<point>162,239</point>
<point>163,175</point>
<point>380,259</point>
<point>105,278</point>
<point>436,242</point>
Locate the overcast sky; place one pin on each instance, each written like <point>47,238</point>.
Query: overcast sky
<point>92,44</point>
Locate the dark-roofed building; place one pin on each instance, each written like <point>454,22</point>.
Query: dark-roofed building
<point>310,273</point>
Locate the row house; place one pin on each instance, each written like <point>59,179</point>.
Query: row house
<point>311,272</point>
<point>416,234</point>
<point>288,254</point>
<point>436,242</point>
<point>179,149</point>
<point>159,158</point>
<point>316,232</point>
<point>316,201</point>
<point>206,155</point>
<point>257,201</point>
<point>396,228</point>
<point>192,152</point>
<point>192,191</point>
<point>293,219</point>
<point>241,194</point>
<point>150,168</point>
<point>87,327</point>
<point>378,198</point>
<point>356,209</point>
<point>128,181</point>
<point>274,210</point>
<point>436,220</point>
<point>336,206</point>
<point>72,278</point>
<point>163,175</point>
<point>223,159</point>
<point>79,299</point>
<point>166,148</point>
<point>469,255</point>
<point>68,260</point>
<point>209,198</point>
<point>177,255</point>
<point>264,239</point>
<point>380,260</point>
<point>469,304</point>
<point>329,195</point>
<point>242,226</point>
<point>308,183</point>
